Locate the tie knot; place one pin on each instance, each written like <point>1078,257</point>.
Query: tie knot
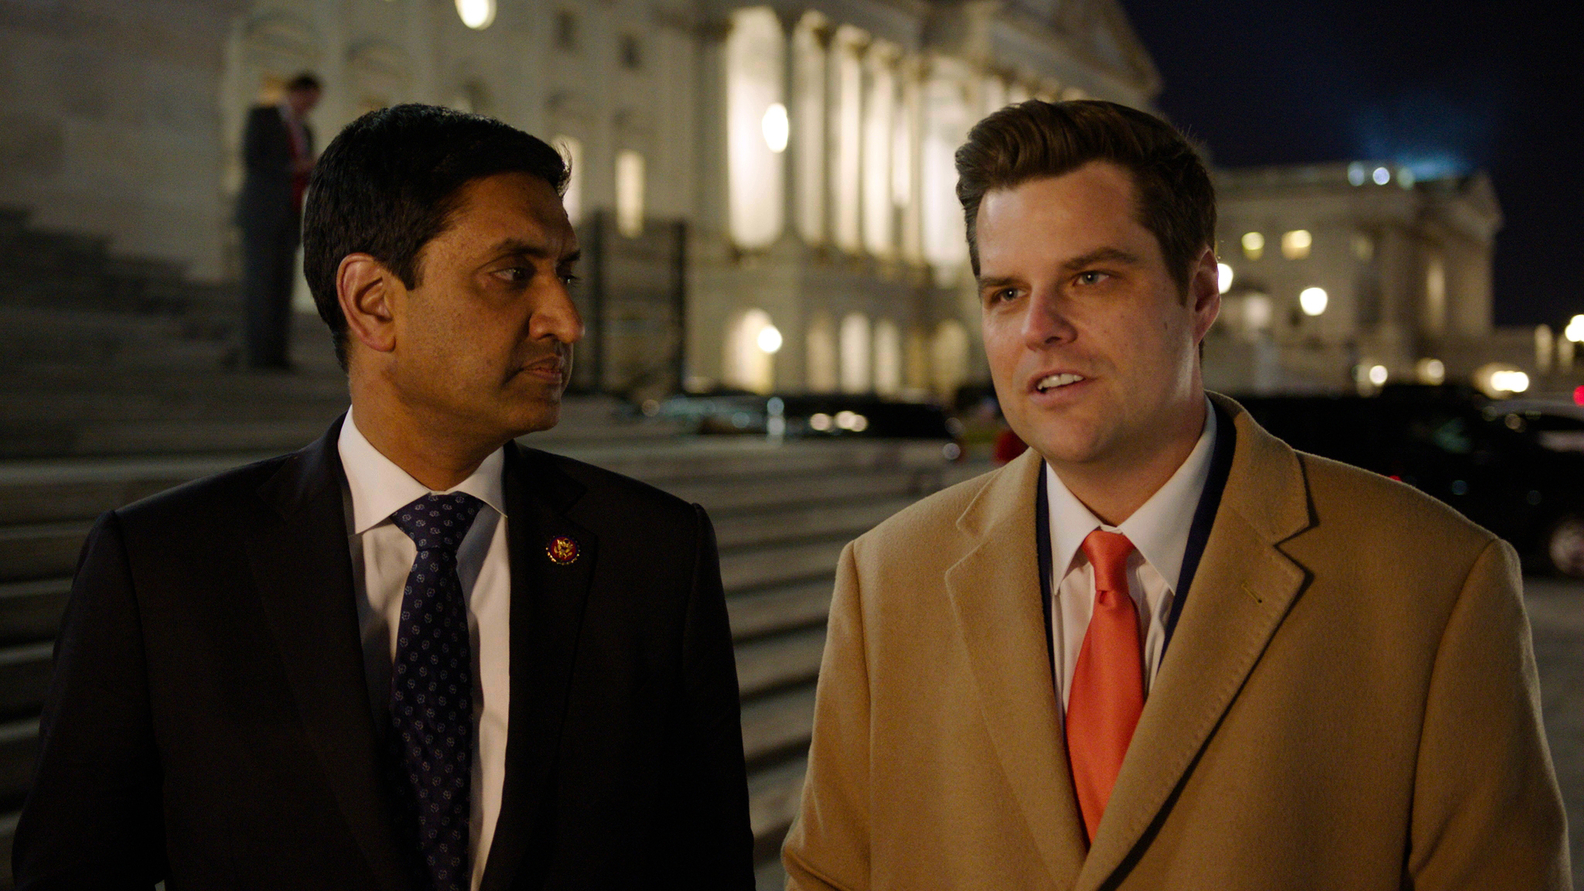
<point>438,522</point>
<point>1108,553</point>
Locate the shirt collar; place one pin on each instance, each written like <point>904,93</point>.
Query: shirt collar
<point>380,488</point>
<point>1158,529</point>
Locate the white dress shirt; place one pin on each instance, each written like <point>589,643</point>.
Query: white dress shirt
<point>382,556</point>
<point>1159,533</point>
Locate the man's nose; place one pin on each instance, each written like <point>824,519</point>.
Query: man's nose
<point>1047,319</point>
<point>558,317</point>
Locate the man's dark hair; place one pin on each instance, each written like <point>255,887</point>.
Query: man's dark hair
<point>305,80</point>
<point>1035,139</point>
<point>391,181</point>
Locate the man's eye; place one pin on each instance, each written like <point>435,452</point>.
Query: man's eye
<point>569,279</point>
<point>1091,278</point>
<point>1000,296</point>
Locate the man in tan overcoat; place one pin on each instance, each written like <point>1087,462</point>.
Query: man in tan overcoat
<point>1161,649</point>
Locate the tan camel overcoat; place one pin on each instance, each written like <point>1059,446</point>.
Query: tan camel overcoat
<point>1349,702</point>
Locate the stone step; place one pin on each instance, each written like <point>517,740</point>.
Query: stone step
<point>780,663</point>
<point>727,495</point>
<point>750,570</point>
<point>34,336</point>
<point>773,799</point>
<point>24,676</point>
<point>31,611</point>
<point>795,606</point>
<point>40,550</point>
<point>780,523</point>
<point>776,727</point>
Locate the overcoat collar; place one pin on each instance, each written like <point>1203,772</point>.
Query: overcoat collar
<point>301,563</point>
<point>1243,588</point>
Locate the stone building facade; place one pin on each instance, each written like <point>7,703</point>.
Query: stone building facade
<point>1351,274</point>
<point>803,148</point>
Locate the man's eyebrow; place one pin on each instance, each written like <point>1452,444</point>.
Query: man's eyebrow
<point>994,281</point>
<point>539,250</point>
<point>1103,255</point>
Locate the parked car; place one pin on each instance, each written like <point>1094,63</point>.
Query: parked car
<point>1454,445</point>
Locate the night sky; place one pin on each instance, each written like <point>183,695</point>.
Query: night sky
<point>1445,88</point>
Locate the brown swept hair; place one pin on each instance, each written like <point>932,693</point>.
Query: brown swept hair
<point>1034,139</point>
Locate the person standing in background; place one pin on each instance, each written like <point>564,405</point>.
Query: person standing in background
<point>277,151</point>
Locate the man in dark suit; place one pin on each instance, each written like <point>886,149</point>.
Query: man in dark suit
<point>413,655</point>
<point>277,150</point>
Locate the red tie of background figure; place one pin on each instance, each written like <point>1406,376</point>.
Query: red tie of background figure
<point>1108,682</point>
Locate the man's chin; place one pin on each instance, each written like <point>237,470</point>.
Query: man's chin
<point>543,416</point>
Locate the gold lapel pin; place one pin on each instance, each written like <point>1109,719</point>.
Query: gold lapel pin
<point>562,550</point>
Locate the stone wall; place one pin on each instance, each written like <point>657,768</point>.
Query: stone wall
<point>109,123</point>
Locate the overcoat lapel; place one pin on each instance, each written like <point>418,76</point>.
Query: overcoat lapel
<point>994,592</point>
<point>548,597</point>
<point>301,563</point>
<point>1243,589</point>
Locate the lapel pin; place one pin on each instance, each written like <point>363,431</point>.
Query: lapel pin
<point>562,550</point>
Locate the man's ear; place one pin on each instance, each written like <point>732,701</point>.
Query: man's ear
<point>1204,292</point>
<point>367,292</point>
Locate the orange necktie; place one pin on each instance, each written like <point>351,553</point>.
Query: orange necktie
<point>1108,682</point>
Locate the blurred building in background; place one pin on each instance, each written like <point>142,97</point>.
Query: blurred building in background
<point>765,192</point>
<point>1353,275</point>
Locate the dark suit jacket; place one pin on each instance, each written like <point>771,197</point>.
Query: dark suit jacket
<point>209,719</point>
<point>266,200</point>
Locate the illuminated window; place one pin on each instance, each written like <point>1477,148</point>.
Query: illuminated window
<point>476,14</point>
<point>1381,176</point>
<point>1295,244</point>
<point>1253,245</point>
<point>854,344</point>
<point>572,150</point>
<point>1356,173</point>
<point>629,193</point>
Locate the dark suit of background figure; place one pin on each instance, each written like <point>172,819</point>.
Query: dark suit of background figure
<point>209,714</point>
<point>269,212</point>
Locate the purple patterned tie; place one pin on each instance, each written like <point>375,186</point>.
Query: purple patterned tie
<point>432,688</point>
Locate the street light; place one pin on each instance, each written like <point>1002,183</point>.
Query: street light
<point>1575,329</point>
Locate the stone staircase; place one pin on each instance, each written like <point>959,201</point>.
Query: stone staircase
<point>114,384</point>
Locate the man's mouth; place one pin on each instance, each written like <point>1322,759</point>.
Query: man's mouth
<point>1057,380</point>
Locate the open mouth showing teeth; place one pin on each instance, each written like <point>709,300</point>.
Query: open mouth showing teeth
<point>1057,380</point>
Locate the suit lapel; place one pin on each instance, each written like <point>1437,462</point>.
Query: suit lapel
<point>994,592</point>
<point>548,597</point>
<point>1243,588</point>
<point>301,563</point>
